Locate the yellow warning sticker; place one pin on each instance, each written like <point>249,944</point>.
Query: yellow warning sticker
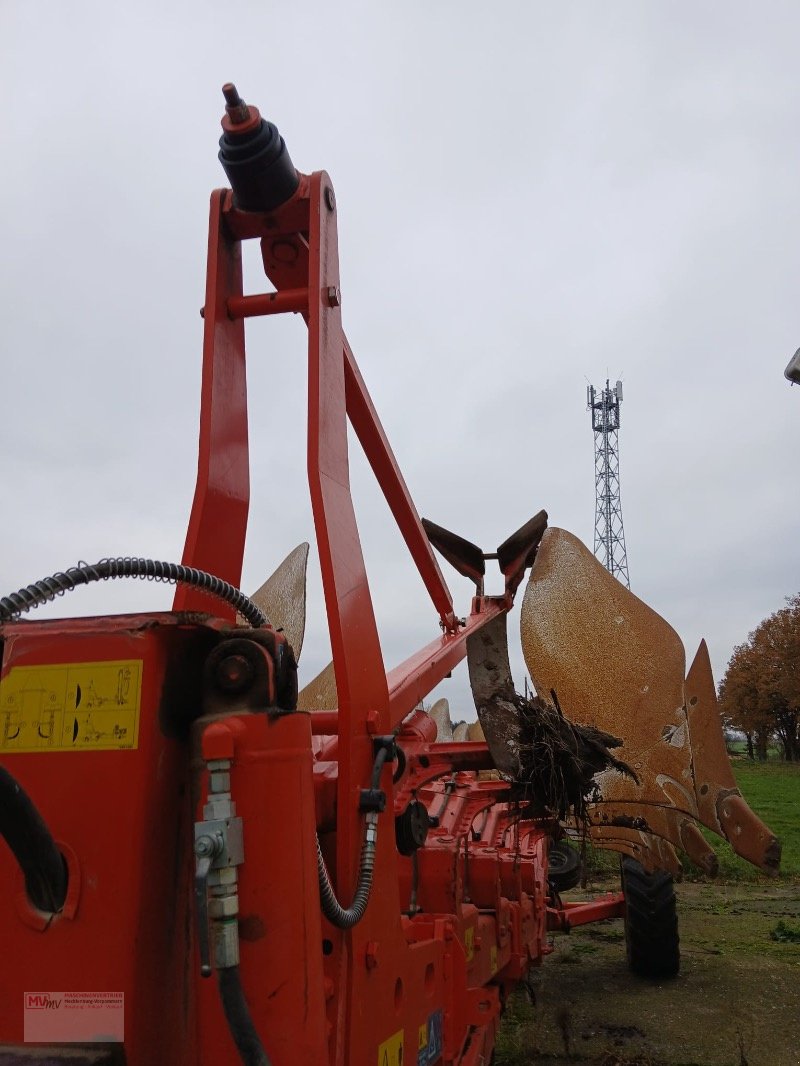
<point>390,1053</point>
<point>71,707</point>
<point>422,1039</point>
<point>469,943</point>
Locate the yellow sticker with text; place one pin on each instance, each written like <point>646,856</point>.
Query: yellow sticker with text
<point>71,707</point>
<point>469,943</point>
<point>390,1053</point>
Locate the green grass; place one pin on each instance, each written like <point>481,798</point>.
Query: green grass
<point>773,791</point>
<point>785,933</point>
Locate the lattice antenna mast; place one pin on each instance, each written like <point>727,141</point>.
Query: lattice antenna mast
<point>609,536</point>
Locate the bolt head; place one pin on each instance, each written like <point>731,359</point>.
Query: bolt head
<point>371,954</point>
<point>204,846</point>
<point>330,199</point>
<point>234,673</point>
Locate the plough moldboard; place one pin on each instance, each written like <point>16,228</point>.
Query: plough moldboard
<point>218,867</point>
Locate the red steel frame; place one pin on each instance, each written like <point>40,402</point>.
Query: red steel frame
<point>300,254</point>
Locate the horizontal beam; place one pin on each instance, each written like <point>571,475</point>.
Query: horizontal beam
<point>268,303</point>
<point>569,915</point>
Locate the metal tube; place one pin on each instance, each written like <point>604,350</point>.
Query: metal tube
<point>268,303</point>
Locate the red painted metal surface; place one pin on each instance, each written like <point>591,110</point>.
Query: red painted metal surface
<point>218,523</point>
<point>358,661</point>
<point>126,818</point>
<point>568,915</point>
<point>373,440</point>
<point>269,303</point>
<point>279,917</point>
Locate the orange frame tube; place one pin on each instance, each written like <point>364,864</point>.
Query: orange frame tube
<point>370,700</point>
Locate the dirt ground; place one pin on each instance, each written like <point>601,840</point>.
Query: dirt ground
<point>735,1003</point>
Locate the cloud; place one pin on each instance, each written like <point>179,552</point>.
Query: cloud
<point>526,202</point>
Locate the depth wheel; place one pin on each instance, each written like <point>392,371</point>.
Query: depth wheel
<point>651,921</point>
<point>564,867</point>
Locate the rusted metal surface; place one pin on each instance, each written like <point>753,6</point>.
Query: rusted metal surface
<point>320,693</point>
<point>624,843</point>
<point>475,731</point>
<point>514,555</point>
<point>464,556</point>
<point>493,692</point>
<point>654,853</point>
<point>720,803</point>
<point>518,551</point>
<point>672,825</point>
<point>617,665</point>
<point>440,713</point>
<point>282,597</point>
<point>613,662</point>
<point>697,848</point>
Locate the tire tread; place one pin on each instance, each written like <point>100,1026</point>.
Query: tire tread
<point>651,921</point>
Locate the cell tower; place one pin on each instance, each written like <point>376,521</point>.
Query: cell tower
<point>609,536</point>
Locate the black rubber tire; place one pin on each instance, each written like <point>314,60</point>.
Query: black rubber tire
<point>564,866</point>
<point>651,921</point>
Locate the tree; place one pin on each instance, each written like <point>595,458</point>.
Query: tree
<point>739,702</point>
<point>760,692</point>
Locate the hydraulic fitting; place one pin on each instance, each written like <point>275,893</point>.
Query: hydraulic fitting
<point>218,849</point>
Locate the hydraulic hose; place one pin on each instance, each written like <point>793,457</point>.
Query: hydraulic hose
<point>239,1019</point>
<point>347,917</point>
<point>46,590</point>
<point>32,845</point>
<point>380,758</point>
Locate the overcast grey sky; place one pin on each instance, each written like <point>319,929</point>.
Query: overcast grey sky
<point>530,196</point>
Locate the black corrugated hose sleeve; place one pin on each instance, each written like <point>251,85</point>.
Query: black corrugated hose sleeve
<point>32,845</point>
<point>46,590</point>
<point>240,1023</point>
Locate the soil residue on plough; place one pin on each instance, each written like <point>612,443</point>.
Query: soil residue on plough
<point>560,759</point>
